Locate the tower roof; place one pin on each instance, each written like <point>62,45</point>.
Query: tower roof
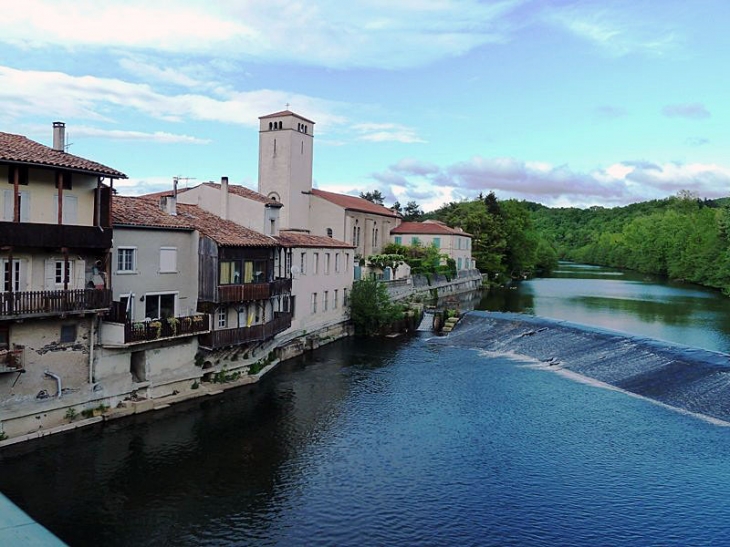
<point>285,113</point>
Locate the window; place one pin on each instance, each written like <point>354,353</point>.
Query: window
<point>70,208</point>
<point>126,259</point>
<point>272,226</point>
<point>60,276</point>
<point>68,334</point>
<point>437,242</point>
<point>314,302</point>
<point>13,275</point>
<point>345,301</point>
<point>303,263</point>
<point>337,262</point>
<point>458,267</point>
<point>358,236</point>
<point>9,209</point>
<point>325,300</point>
<point>375,236</point>
<point>127,304</point>
<point>329,232</point>
<point>222,317</point>
<point>285,304</point>
<point>315,267</point>
<point>326,263</point>
<point>159,306</point>
<point>168,260</point>
<point>415,241</point>
<point>230,272</point>
<point>334,300</point>
<point>66,181</point>
<point>22,172</point>
<point>347,262</point>
<point>398,240</point>
<point>4,337</point>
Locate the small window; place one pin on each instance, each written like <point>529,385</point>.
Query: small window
<point>347,262</point>
<point>168,260</point>
<point>60,278</point>
<point>337,262</point>
<point>334,300</point>
<point>345,301</point>
<point>66,181</point>
<point>222,317</point>
<point>329,232</point>
<point>126,259</point>
<point>303,263</point>
<point>326,263</point>
<point>271,126</point>
<point>314,302</point>
<point>22,172</point>
<point>437,242</point>
<point>315,267</point>
<point>325,300</point>
<point>398,240</point>
<point>415,241</point>
<point>68,334</point>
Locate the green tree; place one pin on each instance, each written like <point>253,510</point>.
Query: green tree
<point>412,212</point>
<point>371,309</point>
<point>375,196</point>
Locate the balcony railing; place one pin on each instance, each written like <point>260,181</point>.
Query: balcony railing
<point>252,291</point>
<point>257,333</point>
<point>11,360</point>
<point>39,303</point>
<point>27,234</point>
<point>148,331</point>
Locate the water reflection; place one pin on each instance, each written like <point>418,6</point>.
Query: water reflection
<point>624,301</point>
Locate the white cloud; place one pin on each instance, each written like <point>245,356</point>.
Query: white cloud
<point>118,134</point>
<point>332,33</point>
<point>387,132</point>
<point>693,111</point>
<point>37,93</point>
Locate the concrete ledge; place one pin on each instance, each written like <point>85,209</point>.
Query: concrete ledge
<point>17,528</point>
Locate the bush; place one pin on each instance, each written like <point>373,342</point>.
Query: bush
<point>370,307</point>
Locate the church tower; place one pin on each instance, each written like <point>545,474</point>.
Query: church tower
<point>285,165</point>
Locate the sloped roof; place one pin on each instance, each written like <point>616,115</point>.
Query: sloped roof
<point>354,203</point>
<point>427,227</point>
<point>285,113</point>
<point>247,193</point>
<point>145,212</point>
<point>21,150</point>
<point>299,239</point>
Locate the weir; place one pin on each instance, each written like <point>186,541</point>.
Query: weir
<point>682,377</point>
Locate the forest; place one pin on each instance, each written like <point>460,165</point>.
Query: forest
<point>681,237</point>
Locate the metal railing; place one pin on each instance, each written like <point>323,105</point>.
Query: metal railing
<point>159,329</point>
<point>35,303</point>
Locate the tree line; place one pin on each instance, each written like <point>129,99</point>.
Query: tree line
<point>680,237</point>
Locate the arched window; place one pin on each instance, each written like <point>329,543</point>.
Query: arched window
<point>329,232</point>
<point>270,126</point>
<point>279,125</point>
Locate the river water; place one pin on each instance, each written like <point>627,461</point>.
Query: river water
<point>420,440</point>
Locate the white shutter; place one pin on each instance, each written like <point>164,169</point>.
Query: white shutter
<point>24,206</point>
<point>79,274</point>
<point>50,275</point>
<point>8,205</point>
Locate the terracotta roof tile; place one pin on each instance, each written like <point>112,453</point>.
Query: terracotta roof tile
<point>298,239</point>
<point>354,203</point>
<point>247,193</point>
<point>146,212</point>
<point>428,227</point>
<point>285,113</point>
<point>22,150</point>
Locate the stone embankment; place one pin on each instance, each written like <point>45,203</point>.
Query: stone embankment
<point>436,286</point>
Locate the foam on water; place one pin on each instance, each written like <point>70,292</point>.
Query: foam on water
<point>690,380</point>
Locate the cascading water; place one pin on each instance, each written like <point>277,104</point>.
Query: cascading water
<point>685,378</point>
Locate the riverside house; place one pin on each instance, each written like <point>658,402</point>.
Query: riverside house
<point>55,238</point>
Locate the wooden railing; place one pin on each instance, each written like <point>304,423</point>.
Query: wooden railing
<point>159,329</point>
<point>11,360</point>
<point>257,333</point>
<point>252,291</point>
<point>37,303</point>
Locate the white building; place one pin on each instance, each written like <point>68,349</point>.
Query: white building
<point>453,242</point>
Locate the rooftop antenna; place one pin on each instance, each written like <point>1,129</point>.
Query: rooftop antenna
<point>186,179</point>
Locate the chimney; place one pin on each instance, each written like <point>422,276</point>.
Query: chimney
<point>59,136</point>
<point>169,205</point>
<point>224,198</point>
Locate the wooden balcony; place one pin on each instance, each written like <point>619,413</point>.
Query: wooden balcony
<point>228,294</point>
<point>11,360</point>
<point>54,236</point>
<point>22,304</point>
<point>244,335</point>
<point>117,330</point>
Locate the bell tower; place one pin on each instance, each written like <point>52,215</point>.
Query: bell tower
<point>286,144</point>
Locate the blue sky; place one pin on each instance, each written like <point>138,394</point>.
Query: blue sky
<point>564,102</point>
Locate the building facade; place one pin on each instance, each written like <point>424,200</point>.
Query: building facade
<point>453,242</point>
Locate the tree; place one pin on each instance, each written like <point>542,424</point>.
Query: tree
<point>397,207</point>
<point>375,196</point>
<point>412,212</point>
<point>371,309</point>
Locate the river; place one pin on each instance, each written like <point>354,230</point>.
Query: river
<point>413,441</point>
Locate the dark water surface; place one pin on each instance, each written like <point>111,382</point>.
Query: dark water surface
<point>624,301</point>
<point>413,441</point>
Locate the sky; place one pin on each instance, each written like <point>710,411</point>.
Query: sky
<point>562,102</point>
